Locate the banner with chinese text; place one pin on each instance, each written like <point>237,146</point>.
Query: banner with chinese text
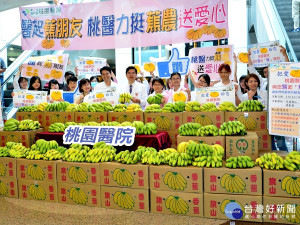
<point>265,53</point>
<point>29,98</point>
<point>284,99</point>
<point>89,66</point>
<point>110,94</point>
<point>215,95</point>
<point>122,24</point>
<point>46,67</point>
<point>207,60</point>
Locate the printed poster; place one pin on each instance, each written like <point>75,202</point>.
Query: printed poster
<point>89,66</point>
<point>29,98</point>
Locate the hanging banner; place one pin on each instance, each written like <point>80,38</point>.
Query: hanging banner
<point>215,95</point>
<point>46,67</point>
<point>89,66</point>
<point>207,60</point>
<point>265,53</point>
<point>122,24</point>
<point>110,94</point>
<point>284,101</point>
<point>29,98</point>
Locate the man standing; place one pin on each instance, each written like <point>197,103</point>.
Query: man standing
<point>107,83</point>
<point>2,69</point>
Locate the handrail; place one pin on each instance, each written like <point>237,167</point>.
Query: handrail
<point>8,43</point>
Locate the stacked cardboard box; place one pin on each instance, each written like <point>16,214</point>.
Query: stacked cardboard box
<point>125,116</point>
<point>176,190</point>
<point>8,177</point>
<point>124,186</point>
<point>35,116</point>
<point>203,118</point>
<point>84,117</point>
<point>56,117</point>
<point>233,193</point>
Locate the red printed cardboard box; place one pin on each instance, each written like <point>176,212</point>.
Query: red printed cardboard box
<point>125,116</point>
<point>123,175</point>
<point>253,121</point>
<point>210,140</point>
<point>36,170</point>
<point>164,121</point>
<point>35,116</point>
<point>57,117</point>
<point>182,179</point>
<point>281,210</point>
<point>125,198</point>
<point>71,172</point>
<point>8,187</point>
<point>8,167</point>
<point>173,135</point>
<point>38,190</point>
<point>84,117</point>
<point>233,181</point>
<point>27,138</point>
<point>79,194</point>
<point>281,183</point>
<point>264,141</point>
<point>204,118</point>
<point>176,203</point>
<point>233,207</point>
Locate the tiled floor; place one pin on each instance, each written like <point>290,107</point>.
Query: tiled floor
<point>17,211</point>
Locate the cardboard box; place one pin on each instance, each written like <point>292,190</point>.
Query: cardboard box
<point>173,135</point>
<point>185,179</point>
<point>243,181</point>
<point>275,183</point>
<point>264,141</point>
<point>35,116</point>
<point>84,117</point>
<point>164,121</point>
<point>38,190</point>
<point>73,172</point>
<point>121,175</point>
<point>125,116</point>
<point>281,210</point>
<point>242,145</point>
<point>79,194</point>
<point>36,170</point>
<point>253,121</point>
<point>27,138</point>
<point>204,118</point>
<point>192,203</point>
<point>125,198</point>
<point>8,187</point>
<point>232,207</point>
<point>8,167</point>
<point>210,140</point>
<point>57,117</point>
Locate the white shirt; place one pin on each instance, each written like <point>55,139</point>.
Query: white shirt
<point>138,91</point>
<point>263,81</point>
<point>261,95</point>
<point>102,86</point>
<point>239,92</point>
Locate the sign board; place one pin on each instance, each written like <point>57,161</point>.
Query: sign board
<point>110,94</point>
<point>29,98</point>
<point>89,66</point>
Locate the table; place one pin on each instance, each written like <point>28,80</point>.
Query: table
<point>161,140</point>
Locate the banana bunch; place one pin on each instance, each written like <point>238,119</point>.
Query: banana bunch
<point>154,108</point>
<point>100,155</point>
<point>112,123</point>
<point>232,128</point>
<point>250,106</point>
<point>29,125</point>
<point>270,161</point>
<point>41,107</point>
<point>189,129</point>
<point>75,155</point>
<point>193,106</point>
<point>134,108</point>
<point>149,128</point>
<point>72,108</point>
<point>155,99</point>
<point>141,149</point>
<point>53,154</point>
<point>233,183</point>
<point>77,174</point>
<point>43,146</point>
<point>11,125</point>
<point>33,108</point>
<point>78,196</point>
<point>125,98</point>
<point>102,144</point>
<point>291,185</point>
<point>127,157</point>
<point>175,181</point>
<point>120,108</point>
<point>196,149</point>
<point>209,107</point>
<point>98,107</point>
<point>107,106</point>
<point>56,127</point>
<point>174,107</point>
<point>18,151</point>
<point>293,216</point>
<point>83,107</point>
<point>227,107</point>
<point>177,205</point>
<point>3,189</point>
<point>80,147</point>
<point>208,161</point>
<point>239,162</point>
<point>95,124</point>
<point>178,159</point>
<point>182,146</point>
<point>69,124</point>
<point>37,192</point>
<point>152,158</point>
<point>138,127</point>
<point>34,154</point>
<point>208,130</point>
<point>57,107</point>
<point>126,124</point>
<point>4,152</point>
<point>292,161</point>
<point>123,200</point>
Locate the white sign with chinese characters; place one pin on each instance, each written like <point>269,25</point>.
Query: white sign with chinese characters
<point>90,135</point>
<point>29,98</point>
<point>110,94</point>
<point>216,95</point>
<point>265,53</point>
<point>89,66</point>
<point>284,99</point>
